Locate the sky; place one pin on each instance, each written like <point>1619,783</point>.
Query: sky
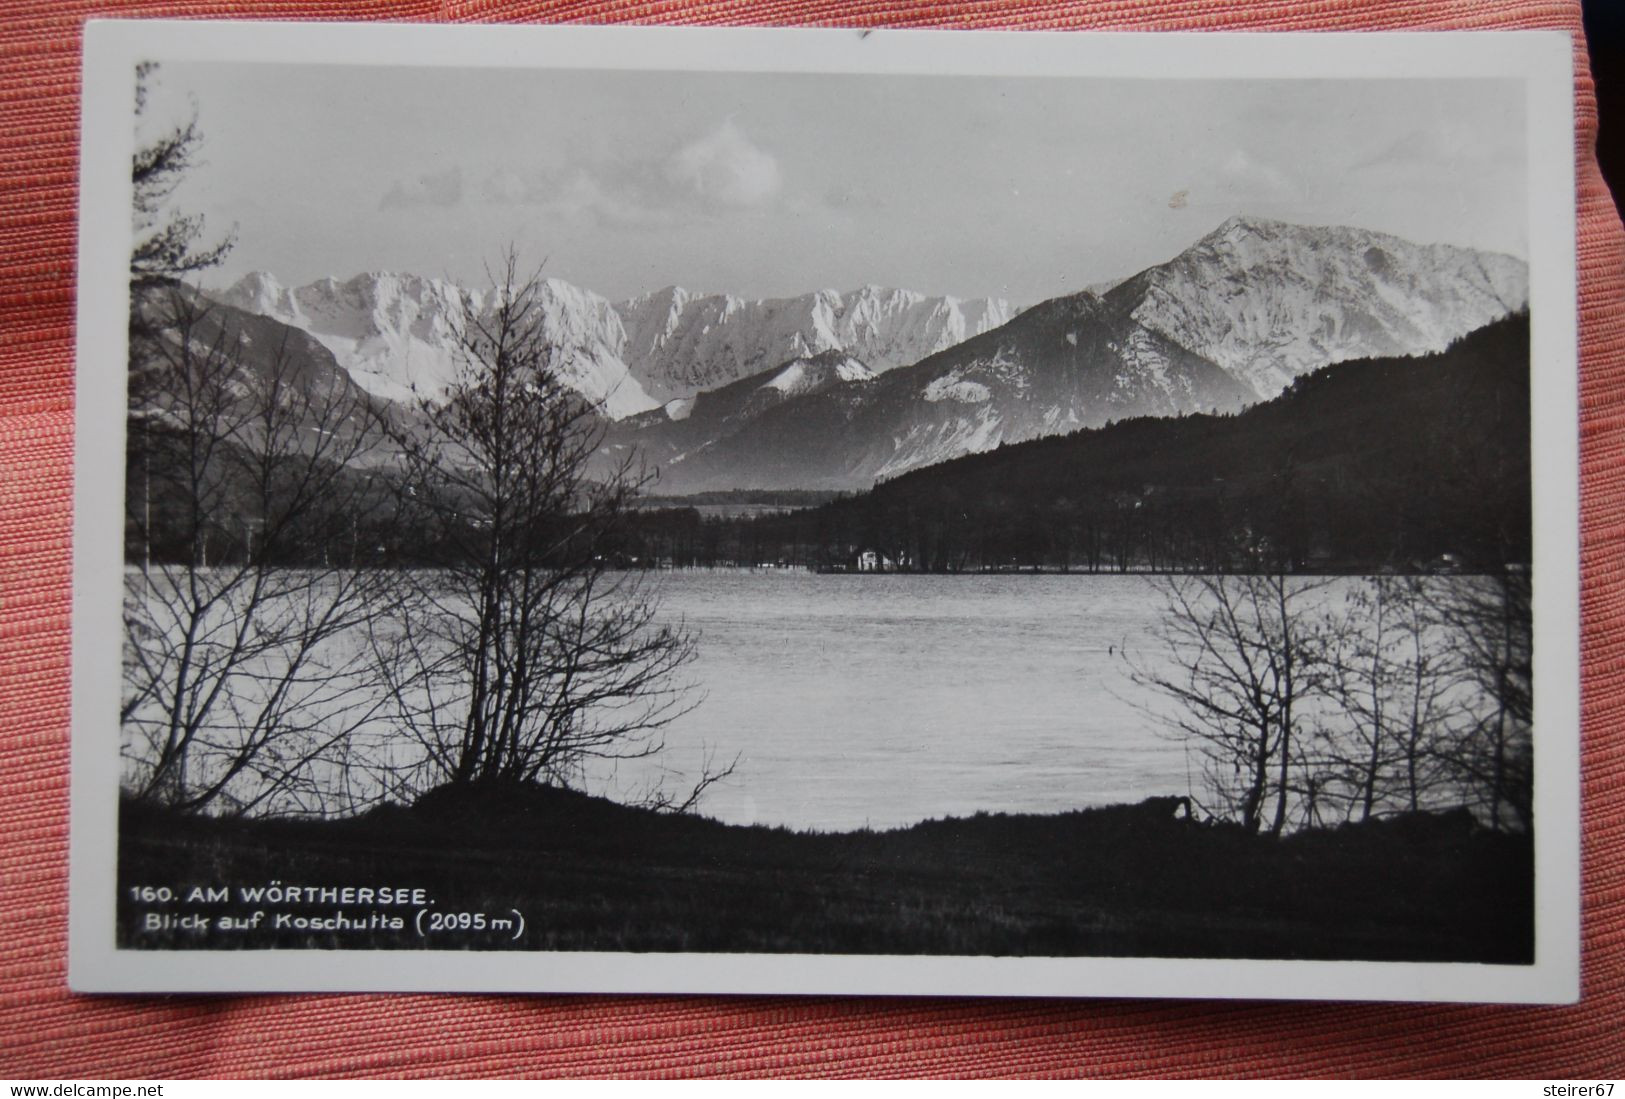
<point>772,185</point>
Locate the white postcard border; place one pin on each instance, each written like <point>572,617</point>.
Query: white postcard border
<point>111,49</point>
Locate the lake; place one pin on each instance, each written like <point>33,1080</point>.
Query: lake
<point>849,700</point>
<point>882,700</point>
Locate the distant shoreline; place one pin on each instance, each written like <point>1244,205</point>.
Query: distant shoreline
<point>134,567</point>
<point>1328,573</point>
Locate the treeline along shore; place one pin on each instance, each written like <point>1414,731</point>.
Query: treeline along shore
<point>550,869</point>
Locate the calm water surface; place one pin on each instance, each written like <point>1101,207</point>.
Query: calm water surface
<point>885,700</point>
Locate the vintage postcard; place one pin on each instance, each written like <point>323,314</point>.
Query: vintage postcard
<point>607,509</point>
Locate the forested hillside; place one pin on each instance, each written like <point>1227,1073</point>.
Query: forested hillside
<point>1399,463</point>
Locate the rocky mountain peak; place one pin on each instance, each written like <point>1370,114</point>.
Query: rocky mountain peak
<point>1269,301</point>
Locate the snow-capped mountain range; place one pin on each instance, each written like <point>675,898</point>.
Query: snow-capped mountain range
<point>395,333</point>
<point>1269,301</point>
<point>836,389</point>
<point>680,343</point>
<point>1068,363</point>
<point>1225,324</point>
<point>700,423</point>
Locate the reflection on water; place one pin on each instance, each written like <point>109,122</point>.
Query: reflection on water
<point>884,700</point>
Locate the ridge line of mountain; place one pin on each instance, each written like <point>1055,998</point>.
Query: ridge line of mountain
<point>1227,322</point>
<point>394,331</point>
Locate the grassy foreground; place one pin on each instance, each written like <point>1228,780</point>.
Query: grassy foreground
<point>554,870</point>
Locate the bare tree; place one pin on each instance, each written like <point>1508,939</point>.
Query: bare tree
<point>658,796</point>
<point>243,681</point>
<point>1241,661</point>
<point>1491,620</point>
<point>523,653</point>
<point>246,668</point>
<point>1392,684</point>
<point>1413,695</point>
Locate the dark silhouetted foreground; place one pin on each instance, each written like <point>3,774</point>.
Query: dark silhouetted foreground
<point>587,874</point>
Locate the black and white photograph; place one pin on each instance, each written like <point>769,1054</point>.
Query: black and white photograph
<point>674,510</point>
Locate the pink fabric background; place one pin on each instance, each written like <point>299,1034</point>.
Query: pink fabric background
<point>45,1032</point>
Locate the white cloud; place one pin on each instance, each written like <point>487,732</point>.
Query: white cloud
<point>1252,178</point>
<point>505,187</point>
<point>583,194</point>
<point>720,172</point>
<point>432,189</point>
<point>723,167</point>
<point>576,196</point>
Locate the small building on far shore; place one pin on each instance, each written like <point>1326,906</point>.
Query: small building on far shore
<point>874,561</point>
